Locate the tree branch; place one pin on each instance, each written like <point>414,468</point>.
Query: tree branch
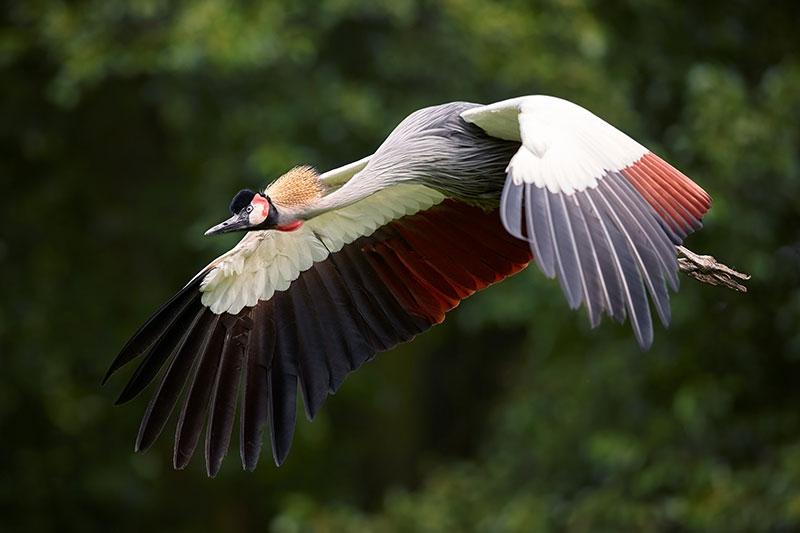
<point>706,269</point>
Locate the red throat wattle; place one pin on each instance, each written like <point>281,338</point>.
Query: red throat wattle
<point>291,226</point>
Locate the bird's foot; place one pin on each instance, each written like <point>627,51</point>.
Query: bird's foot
<point>706,269</point>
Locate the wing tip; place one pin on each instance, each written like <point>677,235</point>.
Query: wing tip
<point>213,466</point>
<point>250,458</point>
<point>280,455</point>
<point>646,342</point>
<point>180,459</point>
<point>125,356</point>
<point>110,372</point>
<point>128,393</point>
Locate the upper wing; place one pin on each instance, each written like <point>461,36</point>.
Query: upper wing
<point>601,212</point>
<point>306,308</point>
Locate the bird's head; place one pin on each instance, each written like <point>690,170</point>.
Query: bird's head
<point>251,211</point>
<point>280,207</point>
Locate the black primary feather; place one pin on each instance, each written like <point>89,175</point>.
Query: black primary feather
<point>155,326</point>
<point>355,334</point>
<point>241,200</point>
<point>311,364</point>
<point>166,397</point>
<point>255,401</point>
<point>160,352</point>
<point>195,406</point>
<point>282,377</point>
<point>334,325</point>
<point>224,395</point>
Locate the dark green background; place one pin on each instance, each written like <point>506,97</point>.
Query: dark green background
<point>125,127</point>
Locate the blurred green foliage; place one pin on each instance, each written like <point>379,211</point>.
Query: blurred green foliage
<point>126,127</point>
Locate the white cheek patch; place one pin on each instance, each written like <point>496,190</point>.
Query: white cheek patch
<point>259,210</point>
<point>256,216</point>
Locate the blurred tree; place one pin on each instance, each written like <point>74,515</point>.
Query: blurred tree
<point>127,125</point>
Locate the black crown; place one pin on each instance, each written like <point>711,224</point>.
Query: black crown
<point>241,200</point>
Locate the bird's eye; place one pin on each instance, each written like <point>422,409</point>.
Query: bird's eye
<point>249,208</point>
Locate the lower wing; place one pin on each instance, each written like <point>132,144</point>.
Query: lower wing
<point>304,309</point>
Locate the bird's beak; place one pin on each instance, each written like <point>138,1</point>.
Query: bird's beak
<point>235,223</point>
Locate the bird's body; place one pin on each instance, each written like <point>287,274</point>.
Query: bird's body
<point>339,266</point>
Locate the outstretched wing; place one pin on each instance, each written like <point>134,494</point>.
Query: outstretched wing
<point>601,212</point>
<point>305,308</point>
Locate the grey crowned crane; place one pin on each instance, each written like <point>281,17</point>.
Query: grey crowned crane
<point>336,267</point>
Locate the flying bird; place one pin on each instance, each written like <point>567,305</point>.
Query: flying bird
<point>336,267</point>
